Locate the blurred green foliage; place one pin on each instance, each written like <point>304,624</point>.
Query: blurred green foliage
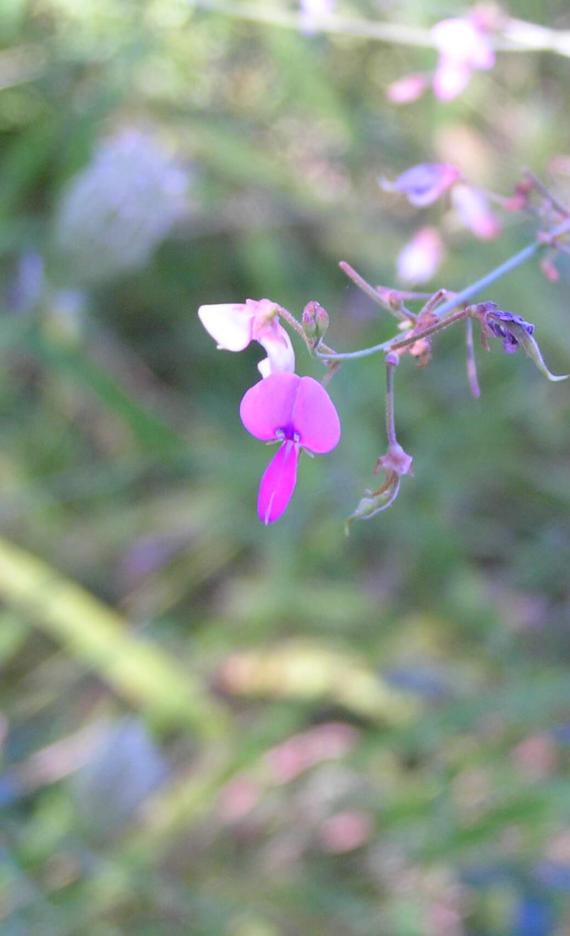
<point>208,727</point>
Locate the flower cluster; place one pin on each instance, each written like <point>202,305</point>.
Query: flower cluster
<point>464,46</point>
<point>423,185</point>
<point>295,412</point>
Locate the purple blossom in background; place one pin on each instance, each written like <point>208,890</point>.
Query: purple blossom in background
<point>26,286</point>
<point>420,259</point>
<point>474,210</point>
<point>115,212</point>
<point>464,47</point>
<point>407,89</point>
<point>298,413</point>
<point>425,183</point>
<point>464,44</point>
<point>314,10</point>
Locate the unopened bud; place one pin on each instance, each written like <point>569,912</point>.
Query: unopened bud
<point>315,321</point>
<point>395,460</point>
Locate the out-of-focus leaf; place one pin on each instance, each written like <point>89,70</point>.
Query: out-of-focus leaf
<point>100,639</point>
<point>312,671</point>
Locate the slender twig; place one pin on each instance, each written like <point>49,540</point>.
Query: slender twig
<point>471,361</point>
<point>390,417</point>
<point>516,35</point>
<point>397,310</point>
<point>548,196</point>
<point>396,345</point>
<point>454,301</point>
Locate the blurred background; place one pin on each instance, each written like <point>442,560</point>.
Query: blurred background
<point>209,727</point>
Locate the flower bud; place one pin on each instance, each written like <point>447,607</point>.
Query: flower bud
<point>315,321</point>
<point>514,332</point>
<point>395,460</point>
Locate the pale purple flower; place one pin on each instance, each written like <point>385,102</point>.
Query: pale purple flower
<point>345,831</point>
<point>420,259</point>
<point>425,183</point>
<point>313,11</point>
<point>464,47</point>
<point>233,325</point>
<point>116,211</point>
<point>300,752</point>
<point>474,210</point>
<point>298,413</point>
<point>407,89</point>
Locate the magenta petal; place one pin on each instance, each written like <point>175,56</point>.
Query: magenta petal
<point>315,418</point>
<point>268,405</point>
<point>278,483</point>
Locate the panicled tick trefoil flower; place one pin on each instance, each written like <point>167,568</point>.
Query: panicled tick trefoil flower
<point>464,47</point>
<point>298,413</point>
<point>312,11</point>
<point>423,184</point>
<point>234,325</point>
<point>474,210</point>
<point>420,259</point>
<point>407,89</point>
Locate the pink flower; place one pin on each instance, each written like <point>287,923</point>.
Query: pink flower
<point>234,324</point>
<point>345,831</point>
<point>300,752</point>
<point>298,413</point>
<point>425,183</point>
<point>312,11</point>
<point>464,47</point>
<point>421,257</point>
<point>474,210</point>
<point>407,89</point>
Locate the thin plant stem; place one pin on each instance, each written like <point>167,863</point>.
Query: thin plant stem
<point>471,361</point>
<point>399,312</point>
<point>390,417</point>
<point>517,35</point>
<point>429,330</point>
<point>548,196</point>
<point>394,344</point>
<point>457,299</point>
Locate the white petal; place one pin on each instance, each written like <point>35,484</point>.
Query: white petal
<point>229,324</point>
<point>280,354</point>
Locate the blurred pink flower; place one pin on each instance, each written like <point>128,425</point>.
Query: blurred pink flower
<point>535,757</point>
<point>407,89</point>
<point>302,751</point>
<point>345,831</point>
<point>298,413</point>
<point>420,259</point>
<point>234,324</point>
<point>423,184</point>
<point>314,10</point>
<point>237,799</point>
<point>474,210</point>
<point>464,47</point>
